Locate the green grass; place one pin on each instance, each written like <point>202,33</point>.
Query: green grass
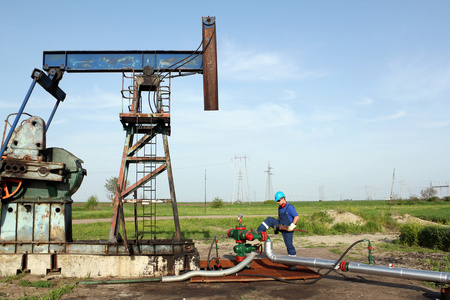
<point>376,214</point>
<point>10,278</point>
<point>36,284</point>
<point>434,214</point>
<point>53,294</point>
<point>260,208</point>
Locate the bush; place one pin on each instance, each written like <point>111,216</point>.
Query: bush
<point>217,203</point>
<point>433,199</point>
<point>414,199</point>
<point>433,237</point>
<point>372,227</point>
<point>446,198</point>
<point>409,234</point>
<point>92,202</point>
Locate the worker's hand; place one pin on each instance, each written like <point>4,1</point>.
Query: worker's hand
<point>291,227</point>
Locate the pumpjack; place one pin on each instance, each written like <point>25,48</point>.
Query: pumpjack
<point>37,182</point>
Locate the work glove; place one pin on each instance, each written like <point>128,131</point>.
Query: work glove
<point>291,227</point>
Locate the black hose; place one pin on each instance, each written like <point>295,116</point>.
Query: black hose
<point>267,276</point>
<point>337,262</point>
<point>314,280</point>
<point>209,253</point>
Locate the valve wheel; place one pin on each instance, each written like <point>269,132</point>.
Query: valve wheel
<point>260,248</point>
<point>7,186</point>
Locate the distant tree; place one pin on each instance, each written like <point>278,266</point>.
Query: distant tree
<point>92,202</point>
<point>111,187</point>
<point>428,193</point>
<point>217,203</point>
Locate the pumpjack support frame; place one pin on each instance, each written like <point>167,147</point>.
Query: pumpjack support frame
<point>148,69</point>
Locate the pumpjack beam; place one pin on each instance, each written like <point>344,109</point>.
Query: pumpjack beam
<point>180,61</point>
<point>120,61</point>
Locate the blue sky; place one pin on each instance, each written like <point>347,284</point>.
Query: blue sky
<point>335,94</point>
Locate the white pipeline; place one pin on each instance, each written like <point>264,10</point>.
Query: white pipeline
<point>213,273</point>
<point>422,275</point>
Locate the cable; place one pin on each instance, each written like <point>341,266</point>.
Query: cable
<point>314,280</point>
<point>209,253</point>
<point>337,262</point>
<point>267,276</point>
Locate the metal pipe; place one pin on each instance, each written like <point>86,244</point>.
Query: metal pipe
<point>215,273</point>
<point>422,275</point>
<point>185,276</point>
<point>52,115</point>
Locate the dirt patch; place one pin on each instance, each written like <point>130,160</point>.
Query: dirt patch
<point>344,217</point>
<point>337,285</point>
<point>406,218</point>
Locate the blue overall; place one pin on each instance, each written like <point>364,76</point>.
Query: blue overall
<point>284,218</point>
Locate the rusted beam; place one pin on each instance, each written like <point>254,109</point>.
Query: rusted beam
<point>210,86</point>
<point>176,220</point>
<point>114,230</point>
<point>157,159</point>
<point>144,180</point>
<point>141,143</point>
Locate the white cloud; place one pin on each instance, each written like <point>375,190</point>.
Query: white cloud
<point>99,99</point>
<point>419,78</point>
<point>365,102</point>
<point>435,125</point>
<point>397,115</point>
<point>288,95</point>
<point>253,65</point>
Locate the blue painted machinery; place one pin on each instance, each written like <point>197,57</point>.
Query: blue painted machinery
<point>37,182</point>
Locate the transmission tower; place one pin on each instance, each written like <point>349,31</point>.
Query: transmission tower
<point>236,158</point>
<point>240,193</point>
<point>269,191</point>
<point>370,192</point>
<point>440,186</point>
<point>321,194</point>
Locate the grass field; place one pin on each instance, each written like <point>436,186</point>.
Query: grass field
<point>376,214</point>
<point>438,211</point>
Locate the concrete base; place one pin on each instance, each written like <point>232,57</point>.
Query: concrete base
<point>97,266</point>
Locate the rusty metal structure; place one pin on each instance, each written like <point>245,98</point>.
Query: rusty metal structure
<point>37,183</point>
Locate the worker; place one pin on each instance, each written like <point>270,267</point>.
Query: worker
<point>287,216</point>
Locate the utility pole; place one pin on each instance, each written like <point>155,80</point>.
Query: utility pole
<point>269,191</point>
<point>234,179</point>
<point>246,178</point>
<point>205,191</point>
<point>392,189</point>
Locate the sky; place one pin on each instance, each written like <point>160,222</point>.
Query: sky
<point>336,95</point>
